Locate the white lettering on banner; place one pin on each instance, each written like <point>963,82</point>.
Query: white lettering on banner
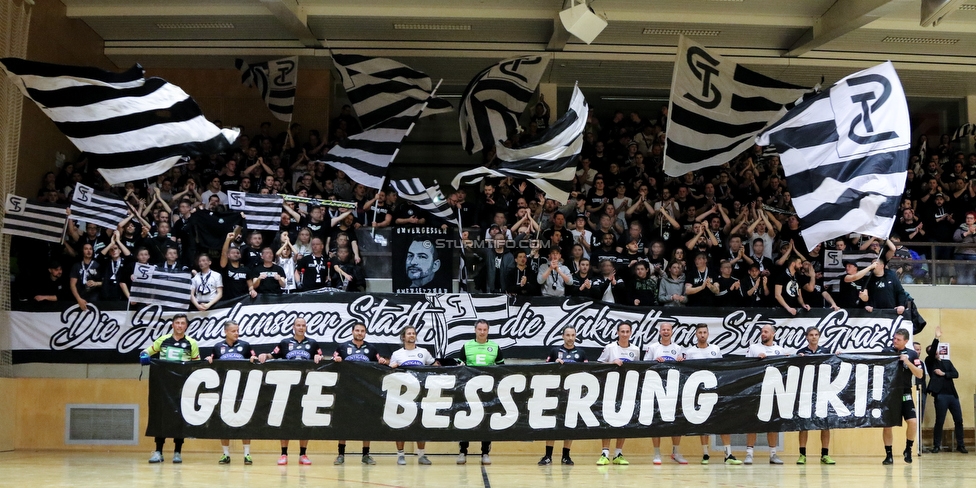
<point>539,402</point>
<point>243,415</point>
<point>774,391</point>
<point>471,420</point>
<point>697,412</point>
<point>315,400</point>
<point>507,386</point>
<point>578,405</point>
<point>434,401</point>
<point>829,386</point>
<point>283,381</point>
<point>667,399</point>
<point>828,390</point>
<point>189,399</point>
<point>621,417</point>
<point>401,392</point>
<point>198,407</point>
<point>443,323</point>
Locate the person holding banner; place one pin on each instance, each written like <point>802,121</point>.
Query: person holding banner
<point>911,362</point>
<point>703,350</point>
<point>814,348</point>
<point>666,351</point>
<point>357,350</point>
<point>618,353</point>
<point>764,349</point>
<point>232,349</point>
<point>175,346</point>
<point>411,355</point>
<point>565,353</point>
<point>297,348</point>
<point>480,352</point>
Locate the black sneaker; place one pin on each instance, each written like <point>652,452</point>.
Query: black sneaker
<point>908,456</point>
<point>545,461</point>
<point>888,460</point>
<point>568,461</point>
<point>962,449</point>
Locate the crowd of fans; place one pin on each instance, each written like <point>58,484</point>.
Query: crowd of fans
<point>629,234</point>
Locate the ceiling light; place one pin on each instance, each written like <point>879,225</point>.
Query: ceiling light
<point>919,40</point>
<point>682,32</point>
<point>194,25</point>
<point>441,27</point>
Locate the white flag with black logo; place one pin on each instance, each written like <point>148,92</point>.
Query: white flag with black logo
<point>276,80</point>
<point>44,221</point>
<point>494,100</point>
<point>261,212</point>
<point>717,108</point>
<point>99,208</point>
<point>549,163</point>
<point>130,127</point>
<point>156,286</point>
<point>428,198</point>
<point>845,155</point>
<point>381,88</point>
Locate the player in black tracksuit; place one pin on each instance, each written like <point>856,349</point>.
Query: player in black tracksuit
<point>357,350</point>
<point>297,348</point>
<point>233,349</point>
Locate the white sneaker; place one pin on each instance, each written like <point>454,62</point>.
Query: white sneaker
<point>402,461</point>
<point>678,458</point>
<point>462,459</point>
<point>748,459</point>
<point>774,459</point>
<point>485,459</point>
<point>657,460</point>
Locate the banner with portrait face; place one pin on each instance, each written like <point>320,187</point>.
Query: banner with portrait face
<point>422,258</point>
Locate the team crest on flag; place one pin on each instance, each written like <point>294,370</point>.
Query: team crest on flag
<point>845,155</point>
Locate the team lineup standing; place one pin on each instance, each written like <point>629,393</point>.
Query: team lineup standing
<point>481,352</point>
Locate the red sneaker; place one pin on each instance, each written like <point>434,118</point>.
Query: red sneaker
<point>283,460</point>
<point>304,460</point>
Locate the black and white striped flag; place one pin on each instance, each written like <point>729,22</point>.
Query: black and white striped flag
<point>155,286</point>
<point>44,221</point>
<point>99,208</point>
<point>494,101</point>
<point>261,212</point>
<point>276,80</point>
<point>365,157</point>
<point>428,198</point>
<point>381,88</point>
<point>549,163</point>
<point>130,127</point>
<point>717,108</point>
<point>845,155</point>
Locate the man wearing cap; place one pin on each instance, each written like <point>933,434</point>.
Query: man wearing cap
<point>554,277</point>
<point>51,288</point>
<point>852,283</point>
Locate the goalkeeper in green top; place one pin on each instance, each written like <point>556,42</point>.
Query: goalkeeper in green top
<point>480,352</point>
<point>172,347</point>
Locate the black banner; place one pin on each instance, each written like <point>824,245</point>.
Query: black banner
<point>357,401</point>
<point>422,258</point>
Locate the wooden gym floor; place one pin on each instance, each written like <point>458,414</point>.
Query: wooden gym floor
<point>130,470</point>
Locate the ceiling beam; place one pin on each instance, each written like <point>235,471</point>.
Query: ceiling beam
<point>842,18</point>
<point>294,18</point>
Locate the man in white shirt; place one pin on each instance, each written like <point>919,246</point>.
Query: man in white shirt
<point>662,352</point>
<point>214,189</point>
<point>703,350</point>
<point>207,286</point>
<point>762,350</point>
<point>411,355</point>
